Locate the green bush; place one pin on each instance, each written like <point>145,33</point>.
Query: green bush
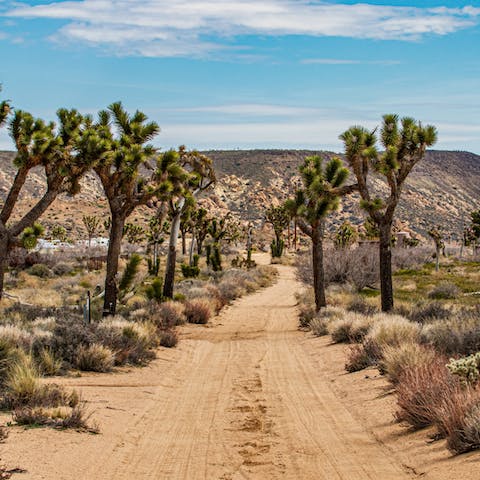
<point>40,270</point>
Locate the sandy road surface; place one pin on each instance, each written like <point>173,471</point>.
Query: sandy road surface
<point>242,399</point>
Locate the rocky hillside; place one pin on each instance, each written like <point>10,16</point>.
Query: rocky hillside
<point>442,190</point>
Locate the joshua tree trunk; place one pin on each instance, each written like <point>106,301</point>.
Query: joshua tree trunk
<point>113,254</point>
<point>3,259</point>
<point>317,265</point>
<point>386,287</point>
<point>184,243</point>
<point>192,248</point>
<point>172,252</point>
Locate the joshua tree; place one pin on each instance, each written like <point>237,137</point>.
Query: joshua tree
<point>92,225</point>
<point>323,185</point>
<point>121,150</point>
<point>134,233</point>
<point>201,221</point>
<point>54,150</point>
<point>436,235</point>
<point>475,228</point>
<point>186,226</point>
<point>404,146</point>
<point>194,174</point>
<point>279,218</point>
<point>157,228</point>
<point>59,233</point>
<point>346,235</point>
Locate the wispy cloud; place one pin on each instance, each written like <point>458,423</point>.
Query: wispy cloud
<point>166,28</point>
<point>339,61</point>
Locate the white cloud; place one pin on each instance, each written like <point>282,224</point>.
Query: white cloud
<point>339,61</point>
<point>194,28</point>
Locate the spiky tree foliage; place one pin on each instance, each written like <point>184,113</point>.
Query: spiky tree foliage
<point>30,236</point>
<point>58,232</point>
<point>323,185</point>
<point>186,226</point>
<point>346,235</point>
<point>134,233</point>
<point>51,148</point>
<point>129,274</point>
<point>92,225</point>
<point>403,145</point>
<point>436,235</point>
<point>475,228</point>
<point>198,175</point>
<point>119,141</point>
<point>4,110</point>
<point>157,229</point>
<point>279,218</point>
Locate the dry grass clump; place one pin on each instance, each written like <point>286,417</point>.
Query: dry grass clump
<point>363,355</point>
<point>360,305</point>
<point>425,312</point>
<point>458,335</point>
<point>399,358</point>
<point>198,310</point>
<point>352,327</point>
<point>420,390</point>
<point>393,330</point>
<point>169,314</point>
<point>168,338</point>
<point>95,358</point>
<point>48,363</point>
<point>16,336</point>
<point>319,326</point>
<point>131,342</point>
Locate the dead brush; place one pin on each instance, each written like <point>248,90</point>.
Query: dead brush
<point>420,391</point>
<point>362,355</point>
<point>95,358</point>
<point>399,358</point>
<point>198,311</point>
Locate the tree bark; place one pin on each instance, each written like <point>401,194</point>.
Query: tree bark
<point>184,243</point>
<point>385,250</point>
<point>13,194</point>
<point>3,260</point>
<point>317,265</point>
<point>113,255</point>
<point>172,255</point>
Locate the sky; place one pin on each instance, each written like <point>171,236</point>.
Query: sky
<point>221,74</point>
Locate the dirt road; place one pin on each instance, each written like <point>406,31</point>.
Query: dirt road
<point>241,399</point>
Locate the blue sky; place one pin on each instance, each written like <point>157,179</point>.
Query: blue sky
<point>250,73</point>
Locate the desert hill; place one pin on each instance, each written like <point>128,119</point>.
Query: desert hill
<point>442,190</point>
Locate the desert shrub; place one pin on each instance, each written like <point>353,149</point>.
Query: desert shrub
<point>420,391</point>
<point>154,291</point>
<point>22,384</point>
<point>306,313</point>
<point>131,342</point>
<point>458,419</point>
<point>168,338</point>
<point>40,270</point>
<point>94,358</point>
<point>393,330</point>
<point>69,334</point>
<point>424,312</point>
<point>362,355</point>
<point>360,305</point>
<point>62,268</point>
<point>351,328</point>
<point>340,330</point>
<point>198,310</point>
<point>319,326</point>
<point>467,368</point>
<point>397,359</point>
<point>444,291</point>
<point>16,336</point>
<point>58,417</point>
<point>48,364</point>
<point>169,314</point>
<point>410,258</point>
<point>458,335</point>
<point>230,290</point>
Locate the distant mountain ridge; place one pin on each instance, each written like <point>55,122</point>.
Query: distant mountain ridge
<point>442,190</point>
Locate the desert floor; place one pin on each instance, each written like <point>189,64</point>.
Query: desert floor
<point>246,397</point>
